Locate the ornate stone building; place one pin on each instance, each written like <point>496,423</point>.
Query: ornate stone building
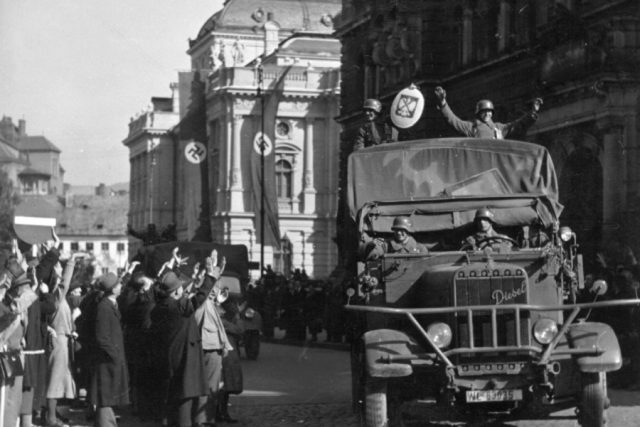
<point>203,172</point>
<point>580,57</point>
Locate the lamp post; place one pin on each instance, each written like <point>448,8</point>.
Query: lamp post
<point>261,95</point>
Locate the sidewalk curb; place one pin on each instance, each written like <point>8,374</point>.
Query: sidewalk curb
<point>308,343</point>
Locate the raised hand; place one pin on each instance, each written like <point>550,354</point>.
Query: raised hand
<point>441,94</point>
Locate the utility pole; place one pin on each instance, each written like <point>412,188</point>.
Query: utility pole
<point>261,95</point>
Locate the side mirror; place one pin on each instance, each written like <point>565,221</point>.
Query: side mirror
<point>351,292</point>
<point>599,287</point>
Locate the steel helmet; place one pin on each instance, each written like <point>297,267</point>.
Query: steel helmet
<point>372,104</point>
<point>484,213</point>
<point>402,223</point>
<point>484,104</point>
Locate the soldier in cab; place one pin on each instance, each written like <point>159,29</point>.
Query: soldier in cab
<point>484,232</point>
<point>402,242</point>
<point>483,126</point>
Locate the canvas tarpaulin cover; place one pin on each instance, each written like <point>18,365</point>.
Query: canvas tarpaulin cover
<point>453,169</point>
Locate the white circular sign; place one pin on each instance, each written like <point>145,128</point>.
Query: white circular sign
<point>195,152</point>
<point>268,145</point>
<point>406,108</point>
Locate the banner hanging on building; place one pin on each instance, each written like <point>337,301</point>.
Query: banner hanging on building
<point>267,195</point>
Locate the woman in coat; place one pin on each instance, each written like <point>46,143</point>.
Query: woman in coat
<point>110,379</point>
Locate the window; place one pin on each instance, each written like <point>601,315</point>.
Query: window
<point>120,247</point>
<point>105,246</point>
<point>284,173</point>
<point>89,246</point>
<point>74,246</point>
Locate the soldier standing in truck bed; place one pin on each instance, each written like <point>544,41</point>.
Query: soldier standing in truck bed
<point>374,131</point>
<point>483,125</point>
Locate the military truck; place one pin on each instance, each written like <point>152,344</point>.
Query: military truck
<point>501,328</point>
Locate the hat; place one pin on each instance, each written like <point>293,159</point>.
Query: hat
<point>170,282</point>
<point>107,281</point>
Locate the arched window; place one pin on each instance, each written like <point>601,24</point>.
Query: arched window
<point>284,176</point>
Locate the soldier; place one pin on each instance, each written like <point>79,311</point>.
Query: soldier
<point>374,132</point>
<point>483,125</point>
<point>483,221</point>
<point>402,241</point>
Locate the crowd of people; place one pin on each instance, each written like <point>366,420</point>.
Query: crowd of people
<point>164,344</point>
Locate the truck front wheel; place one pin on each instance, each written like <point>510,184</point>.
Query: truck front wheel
<point>594,400</point>
<point>381,409</point>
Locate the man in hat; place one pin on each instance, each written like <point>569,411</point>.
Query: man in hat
<point>484,232</point>
<point>110,379</point>
<point>483,125</point>
<point>374,131</point>
<point>402,242</point>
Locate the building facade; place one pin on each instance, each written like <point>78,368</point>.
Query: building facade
<point>208,186</point>
<point>580,57</point>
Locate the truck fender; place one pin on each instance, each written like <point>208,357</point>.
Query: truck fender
<point>381,343</point>
<point>591,335</point>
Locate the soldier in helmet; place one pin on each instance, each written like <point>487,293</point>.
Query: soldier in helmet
<point>402,241</point>
<point>483,125</point>
<point>483,222</point>
<point>374,131</point>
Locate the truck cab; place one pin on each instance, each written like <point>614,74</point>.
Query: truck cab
<point>497,327</point>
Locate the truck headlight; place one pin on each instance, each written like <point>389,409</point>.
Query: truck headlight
<point>565,234</point>
<point>544,330</point>
<point>440,334</point>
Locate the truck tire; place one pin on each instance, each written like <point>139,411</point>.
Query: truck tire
<point>380,409</point>
<point>594,401</point>
<point>357,377</point>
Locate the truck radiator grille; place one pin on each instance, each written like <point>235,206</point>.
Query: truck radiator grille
<point>503,284</point>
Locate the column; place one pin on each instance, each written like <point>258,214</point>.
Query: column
<point>467,35</point>
<point>308,190</point>
<point>613,172</point>
<point>237,202</point>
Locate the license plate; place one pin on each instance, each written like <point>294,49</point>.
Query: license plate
<point>493,395</point>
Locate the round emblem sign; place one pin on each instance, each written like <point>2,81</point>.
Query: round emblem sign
<point>33,219</point>
<point>407,107</point>
<point>195,152</point>
<point>268,145</point>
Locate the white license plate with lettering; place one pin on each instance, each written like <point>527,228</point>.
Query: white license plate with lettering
<point>493,395</point>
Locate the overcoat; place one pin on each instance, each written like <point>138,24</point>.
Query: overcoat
<point>110,378</point>
<point>178,348</point>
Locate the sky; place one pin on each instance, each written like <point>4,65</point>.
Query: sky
<point>78,70</point>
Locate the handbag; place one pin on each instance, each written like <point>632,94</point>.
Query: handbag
<point>10,365</point>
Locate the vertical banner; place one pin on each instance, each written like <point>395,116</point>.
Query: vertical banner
<point>264,144</point>
<point>193,166</point>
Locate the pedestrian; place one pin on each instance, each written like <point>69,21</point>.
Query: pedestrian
<point>232,378</point>
<point>215,343</point>
<point>252,326</point>
<point>177,349</point>
<point>293,311</point>
<point>483,125</point>
<point>60,384</point>
<point>374,131</point>
<point>16,296</point>
<point>110,379</point>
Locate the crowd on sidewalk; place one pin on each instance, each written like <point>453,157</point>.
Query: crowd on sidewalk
<point>163,344</point>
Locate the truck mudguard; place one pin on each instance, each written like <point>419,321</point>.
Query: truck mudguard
<point>594,336</point>
<point>379,344</point>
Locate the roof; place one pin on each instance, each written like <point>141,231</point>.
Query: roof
<point>32,171</point>
<point>290,15</point>
<point>94,215</point>
<point>37,143</point>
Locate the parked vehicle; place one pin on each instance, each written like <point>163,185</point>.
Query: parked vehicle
<point>485,330</point>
